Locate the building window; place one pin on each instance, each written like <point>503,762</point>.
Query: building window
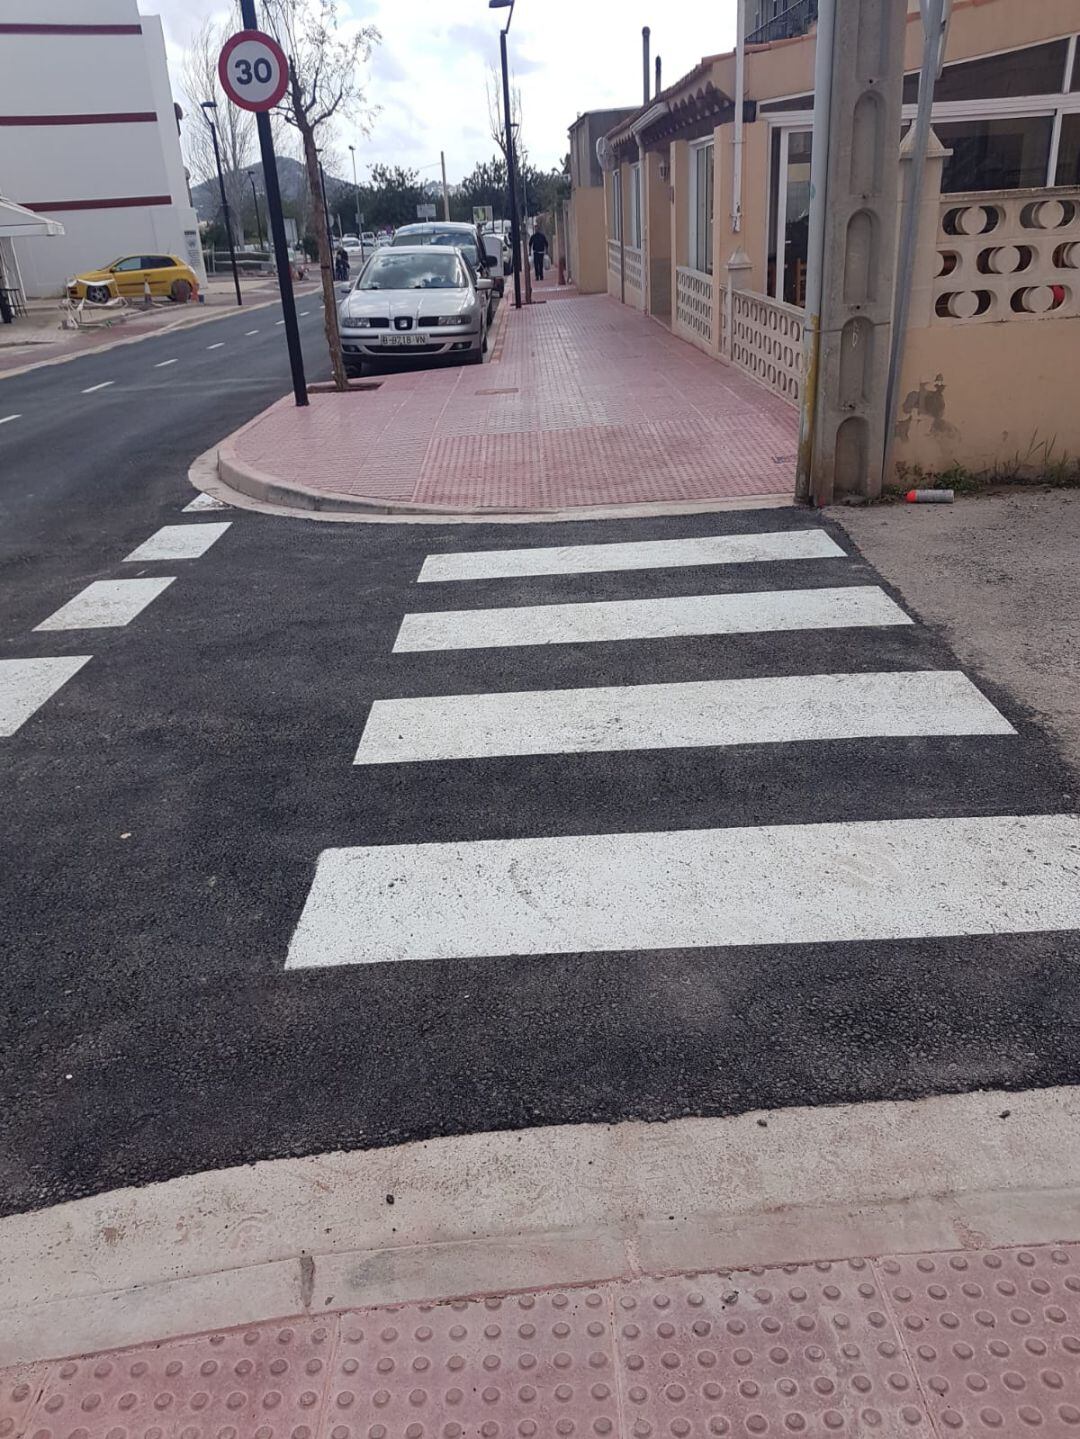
<point>1035,70</point>
<point>1068,170</point>
<point>701,207</point>
<point>635,207</point>
<point>1008,154</point>
<point>616,205</point>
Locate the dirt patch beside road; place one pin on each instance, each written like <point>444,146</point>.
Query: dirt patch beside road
<point>1001,576</point>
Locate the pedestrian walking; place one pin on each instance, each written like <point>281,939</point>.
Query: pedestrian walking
<point>341,264</point>
<point>538,244</point>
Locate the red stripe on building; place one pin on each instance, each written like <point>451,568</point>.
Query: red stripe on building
<point>13,29</point>
<point>130,201</point>
<point>133,117</point>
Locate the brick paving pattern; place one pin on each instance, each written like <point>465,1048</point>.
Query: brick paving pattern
<point>976,1343</point>
<point>586,403</point>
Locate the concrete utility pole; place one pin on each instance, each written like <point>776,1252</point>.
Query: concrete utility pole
<point>860,207</point>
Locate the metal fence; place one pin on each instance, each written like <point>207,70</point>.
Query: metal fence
<point>795,20</point>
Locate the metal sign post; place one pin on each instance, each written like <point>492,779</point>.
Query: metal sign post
<point>254,74</point>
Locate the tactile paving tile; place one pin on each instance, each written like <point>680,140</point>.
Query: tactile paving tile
<point>804,1350</point>
<point>267,1382</point>
<point>19,1390</point>
<point>514,1368</point>
<point>994,1337</point>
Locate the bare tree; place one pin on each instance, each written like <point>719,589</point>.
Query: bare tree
<point>235,127</point>
<point>496,124</point>
<point>324,81</point>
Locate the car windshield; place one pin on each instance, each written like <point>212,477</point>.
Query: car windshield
<point>463,240</point>
<point>413,272</point>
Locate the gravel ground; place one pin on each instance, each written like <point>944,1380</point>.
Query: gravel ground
<point>1000,576</point>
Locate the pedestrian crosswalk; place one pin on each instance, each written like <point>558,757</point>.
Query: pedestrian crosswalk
<point>875,877</point>
<point>600,620</point>
<point>676,716</point>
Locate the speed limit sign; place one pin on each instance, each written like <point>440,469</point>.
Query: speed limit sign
<point>253,70</point>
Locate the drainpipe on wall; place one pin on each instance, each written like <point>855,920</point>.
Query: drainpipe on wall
<point>815,259</point>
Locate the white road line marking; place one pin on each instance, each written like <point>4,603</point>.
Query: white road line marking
<point>105,604</point>
<point>740,613</point>
<point>250,332</point>
<point>25,685</point>
<point>217,346</point>
<point>279,322</point>
<point>162,363</point>
<point>7,419</point>
<point>103,386</point>
<point>203,502</point>
<point>642,555</point>
<point>778,884</point>
<point>678,716</point>
<point>304,314</point>
<point>178,542</point>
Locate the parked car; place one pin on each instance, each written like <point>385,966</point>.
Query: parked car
<point>169,278</point>
<point>485,260</point>
<point>368,237</point>
<point>502,229</point>
<point>415,300</point>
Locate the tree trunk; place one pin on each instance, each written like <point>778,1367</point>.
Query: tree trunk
<point>326,259</point>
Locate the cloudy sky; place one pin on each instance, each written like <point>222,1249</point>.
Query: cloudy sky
<point>428,75</point>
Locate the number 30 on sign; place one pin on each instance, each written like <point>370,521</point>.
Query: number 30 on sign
<point>253,70</point>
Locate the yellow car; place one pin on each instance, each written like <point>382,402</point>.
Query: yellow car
<point>169,278</point>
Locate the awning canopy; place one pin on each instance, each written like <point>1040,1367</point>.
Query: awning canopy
<point>17,222</point>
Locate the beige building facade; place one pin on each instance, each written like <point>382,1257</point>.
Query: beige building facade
<point>987,380</point>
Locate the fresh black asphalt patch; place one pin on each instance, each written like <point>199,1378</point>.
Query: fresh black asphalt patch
<point>163,814</point>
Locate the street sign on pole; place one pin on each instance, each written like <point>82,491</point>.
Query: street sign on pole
<point>482,214</point>
<point>269,79</point>
<point>253,70</point>
<point>425,212</point>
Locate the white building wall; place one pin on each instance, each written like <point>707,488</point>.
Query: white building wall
<point>117,186</point>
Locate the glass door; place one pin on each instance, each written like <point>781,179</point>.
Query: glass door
<point>789,249</point>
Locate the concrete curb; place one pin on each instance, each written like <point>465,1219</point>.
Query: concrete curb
<point>566,1205</point>
<point>238,478</point>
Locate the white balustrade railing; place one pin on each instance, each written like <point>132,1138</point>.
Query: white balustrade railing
<point>767,340</point>
<point>694,302</point>
<point>1008,255</point>
<point>613,256</point>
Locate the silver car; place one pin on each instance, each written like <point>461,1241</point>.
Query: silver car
<point>412,301</point>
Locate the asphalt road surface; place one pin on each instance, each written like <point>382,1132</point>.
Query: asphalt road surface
<point>749,840</point>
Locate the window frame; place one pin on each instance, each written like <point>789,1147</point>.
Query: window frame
<point>616,205</point>
<point>635,240</point>
<point>696,148</point>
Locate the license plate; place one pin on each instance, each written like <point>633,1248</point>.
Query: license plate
<point>404,339</point>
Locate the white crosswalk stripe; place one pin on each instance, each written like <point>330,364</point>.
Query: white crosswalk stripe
<point>641,555</point>
<point>178,542</point>
<point>876,878</point>
<point>25,685</point>
<point>663,716</point>
<point>105,604</point>
<point>851,605</point>
<point>774,884</point>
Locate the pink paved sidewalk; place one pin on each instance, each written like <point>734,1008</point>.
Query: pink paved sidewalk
<point>585,403</point>
<point>971,1343</point>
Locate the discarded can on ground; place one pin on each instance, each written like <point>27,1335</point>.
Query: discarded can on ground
<point>929,497</point>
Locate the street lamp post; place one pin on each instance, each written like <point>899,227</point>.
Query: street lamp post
<point>510,163</point>
<point>356,202</point>
<point>206,106</point>
<point>258,217</point>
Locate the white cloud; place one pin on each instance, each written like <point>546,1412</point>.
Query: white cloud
<point>429,76</point>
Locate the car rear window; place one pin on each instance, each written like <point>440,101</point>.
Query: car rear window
<point>387,271</point>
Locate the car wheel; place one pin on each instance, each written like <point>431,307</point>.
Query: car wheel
<point>180,292</point>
